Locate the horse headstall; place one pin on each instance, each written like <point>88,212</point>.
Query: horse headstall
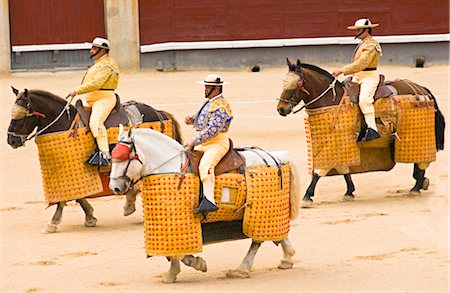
<point>124,150</point>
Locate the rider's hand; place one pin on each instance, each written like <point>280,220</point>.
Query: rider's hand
<point>189,144</point>
<point>72,94</point>
<point>188,120</point>
<point>337,72</point>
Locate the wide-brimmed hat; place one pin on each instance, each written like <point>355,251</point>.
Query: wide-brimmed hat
<point>100,43</point>
<point>362,23</point>
<point>213,79</point>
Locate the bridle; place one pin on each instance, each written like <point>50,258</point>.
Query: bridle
<point>130,183</point>
<point>131,145</point>
<point>26,111</point>
<point>300,88</point>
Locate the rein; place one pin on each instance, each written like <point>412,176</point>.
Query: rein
<point>332,85</point>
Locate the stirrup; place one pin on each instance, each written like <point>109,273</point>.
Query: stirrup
<point>205,206</point>
<point>98,158</point>
<point>368,134</point>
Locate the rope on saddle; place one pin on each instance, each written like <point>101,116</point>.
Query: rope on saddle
<point>276,161</point>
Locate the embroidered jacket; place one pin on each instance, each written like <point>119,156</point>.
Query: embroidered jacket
<point>366,55</point>
<point>213,117</point>
<point>103,74</point>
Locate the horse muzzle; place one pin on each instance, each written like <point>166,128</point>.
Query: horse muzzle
<point>15,141</point>
<point>119,185</point>
<point>284,111</point>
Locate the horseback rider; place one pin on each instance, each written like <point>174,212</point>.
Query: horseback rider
<point>98,85</point>
<point>364,69</point>
<point>211,122</point>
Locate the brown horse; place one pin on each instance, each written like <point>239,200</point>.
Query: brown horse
<point>317,88</point>
<point>48,113</point>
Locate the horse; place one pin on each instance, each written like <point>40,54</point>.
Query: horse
<point>48,113</point>
<point>317,88</point>
<point>153,153</point>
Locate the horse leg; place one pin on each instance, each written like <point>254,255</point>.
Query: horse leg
<point>130,203</point>
<point>51,226</point>
<point>288,253</point>
<point>195,262</point>
<point>171,275</point>
<point>244,268</point>
<point>350,187</point>
<point>421,181</point>
<point>90,220</point>
<point>307,199</point>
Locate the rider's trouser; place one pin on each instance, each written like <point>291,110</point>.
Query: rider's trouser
<point>213,151</point>
<point>368,81</point>
<point>102,103</point>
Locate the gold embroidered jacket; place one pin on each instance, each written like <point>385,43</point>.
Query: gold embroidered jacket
<point>366,55</point>
<point>215,116</point>
<point>103,74</point>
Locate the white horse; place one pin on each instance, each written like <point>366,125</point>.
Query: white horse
<point>156,154</point>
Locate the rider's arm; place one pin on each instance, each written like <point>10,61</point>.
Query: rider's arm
<point>101,76</point>
<point>216,123</point>
<point>362,62</point>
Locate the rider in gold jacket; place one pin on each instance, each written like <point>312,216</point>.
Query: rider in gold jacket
<point>98,85</point>
<point>364,66</point>
<point>212,122</point>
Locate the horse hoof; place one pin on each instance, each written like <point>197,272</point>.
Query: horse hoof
<point>49,228</point>
<point>128,210</point>
<point>426,183</point>
<point>237,274</point>
<point>414,192</point>
<point>349,197</point>
<point>306,203</point>
<point>285,265</point>
<point>168,278</point>
<point>200,264</point>
<point>91,222</point>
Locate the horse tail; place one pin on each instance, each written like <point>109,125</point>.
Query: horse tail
<point>439,124</point>
<point>294,192</point>
<point>176,130</point>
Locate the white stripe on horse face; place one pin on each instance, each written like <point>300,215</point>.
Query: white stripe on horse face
<point>290,81</point>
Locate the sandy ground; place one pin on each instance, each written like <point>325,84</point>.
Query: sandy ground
<point>382,241</point>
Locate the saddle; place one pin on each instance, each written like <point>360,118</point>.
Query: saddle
<point>383,90</point>
<point>117,116</point>
<point>231,161</point>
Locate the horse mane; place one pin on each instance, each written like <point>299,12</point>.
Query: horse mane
<point>176,131</point>
<point>47,95</point>
<point>320,71</point>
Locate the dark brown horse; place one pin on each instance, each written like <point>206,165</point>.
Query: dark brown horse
<point>317,88</point>
<point>43,112</point>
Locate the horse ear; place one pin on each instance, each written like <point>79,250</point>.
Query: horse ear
<point>298,63</point>
<point>15,91</point>
<point>129,132</point>
<point>288,62</point>
<point>120,128</point>
<point>25,92</point>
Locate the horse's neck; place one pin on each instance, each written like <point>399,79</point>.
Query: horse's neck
<point>52,109</point>
<point>161,153</point>
<point>319,84</point>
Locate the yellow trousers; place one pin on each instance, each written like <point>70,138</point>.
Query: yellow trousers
<point>213,151</point>
<point>368,81</point>
<point>102,103</point>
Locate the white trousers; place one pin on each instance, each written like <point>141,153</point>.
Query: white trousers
<point>368,81</point>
